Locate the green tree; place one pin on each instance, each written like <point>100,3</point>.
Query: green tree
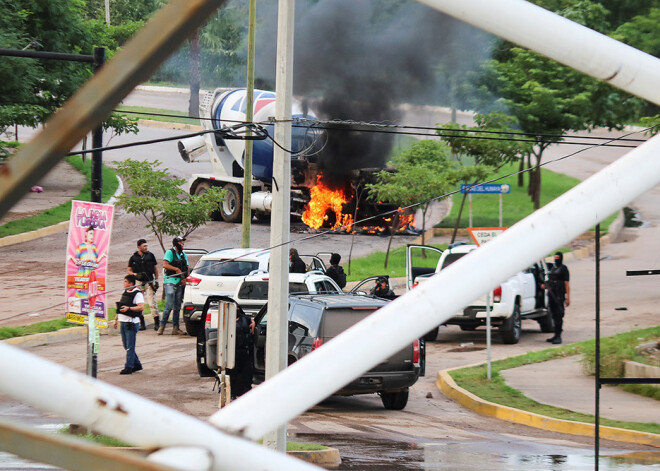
<point>423,171</point>
<point>487,144</point>
<point>549,99</point>
<point>157,197</point>
<point>33,89</point>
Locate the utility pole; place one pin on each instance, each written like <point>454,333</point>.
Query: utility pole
<point>249,116</point>
<point>107,12</point>
<point>278,287</point>
<point>96,197</point>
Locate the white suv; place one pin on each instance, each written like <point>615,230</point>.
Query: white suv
<point>218,273</point>
<point>252,293</point>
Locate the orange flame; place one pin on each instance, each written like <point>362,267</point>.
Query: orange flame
<point>324,202</point>
<point>404,222</point>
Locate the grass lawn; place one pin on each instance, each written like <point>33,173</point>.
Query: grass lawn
<point>63,212</point>
<point>516,205</point>
<point>371,265</point>
<point>474,379</point>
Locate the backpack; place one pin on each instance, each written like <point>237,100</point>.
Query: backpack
<point>337,274</point>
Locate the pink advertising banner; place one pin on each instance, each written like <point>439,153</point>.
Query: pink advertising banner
<point>90,228</point>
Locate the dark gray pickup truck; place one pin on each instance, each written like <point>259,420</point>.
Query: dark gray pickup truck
<point>315,320</point>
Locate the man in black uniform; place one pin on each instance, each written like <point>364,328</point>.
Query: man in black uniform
<point>559,295</point>
<point>335,271</point>
<point>296,264</point>
<point>241,375</point>
<point>144,266</point>
<point>382,289</point>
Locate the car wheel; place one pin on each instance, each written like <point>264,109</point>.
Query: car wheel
<point>203,370</point>
<point>192,327</point>
<point>200,190</point>
<point>512,327</point>
<point>546,323</point>
<point>394,400</point>
<point>231,207</point>
<point>432,334</point>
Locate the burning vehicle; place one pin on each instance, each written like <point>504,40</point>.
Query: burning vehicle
<point>323,195</point>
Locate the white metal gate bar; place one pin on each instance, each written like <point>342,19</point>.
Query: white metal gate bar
<point>563,40</point>
<point>127,416</point>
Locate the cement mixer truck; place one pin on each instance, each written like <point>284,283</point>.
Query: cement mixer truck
<point>224,107</point>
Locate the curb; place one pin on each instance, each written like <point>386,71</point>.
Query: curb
<point>63,335</point>
<point>48,338</point>
<point>450,389</point>
<point>328,458</point>
<point>54,229</point>
<point>164,125</point>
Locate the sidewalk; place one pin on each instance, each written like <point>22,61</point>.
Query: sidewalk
<point>562,383</point>
<point>60,185</point>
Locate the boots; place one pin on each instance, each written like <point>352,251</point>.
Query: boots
<point>161,329</point>
<point>143,325</point>
<point>156,322</point>
<point>177,331</point>
<point>551,339</point>
<point>556,340</point>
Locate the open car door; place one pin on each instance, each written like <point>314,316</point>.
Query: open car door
<point>314,262</point>
<point>420,260</point>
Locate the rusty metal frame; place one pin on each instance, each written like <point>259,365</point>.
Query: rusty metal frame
<point>91,104</point>
<point>80,454</point>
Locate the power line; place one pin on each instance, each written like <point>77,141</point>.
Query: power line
<point>339,125</point>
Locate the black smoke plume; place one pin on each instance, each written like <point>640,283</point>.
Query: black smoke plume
<point>358,60</point>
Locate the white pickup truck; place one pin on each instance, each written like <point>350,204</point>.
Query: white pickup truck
<point>519,297</point>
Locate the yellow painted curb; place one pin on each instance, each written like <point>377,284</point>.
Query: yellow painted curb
<point>328,458</point>
<point>165,125</point>
<point>48,338</point>
<point>447,385</point>
<point>32,235</point>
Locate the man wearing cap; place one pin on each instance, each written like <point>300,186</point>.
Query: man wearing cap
<point>144,266</point>
<point>175,263</point>
<point>296,264</point>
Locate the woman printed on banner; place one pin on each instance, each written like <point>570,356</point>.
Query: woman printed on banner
<point>86,259</point>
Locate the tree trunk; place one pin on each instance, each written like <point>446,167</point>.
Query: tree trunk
<point>395,228</point>
<point>195,75</point>
<point>529,166</point>
<point>536,193</point>
<point>521,176</point>
<point>425,208</point>
<point>460,213</point>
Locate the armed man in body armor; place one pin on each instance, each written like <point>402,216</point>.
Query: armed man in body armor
<point>175,263</point>
<point>144,266</point>
<point>559,295</point>
<point>129,309</point>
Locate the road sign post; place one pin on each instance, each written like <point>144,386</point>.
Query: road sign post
<point>481,235</point>
<point>484,189</point>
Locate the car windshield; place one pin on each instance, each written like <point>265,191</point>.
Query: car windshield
<point>225,267</point>
<point>259,289</point>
